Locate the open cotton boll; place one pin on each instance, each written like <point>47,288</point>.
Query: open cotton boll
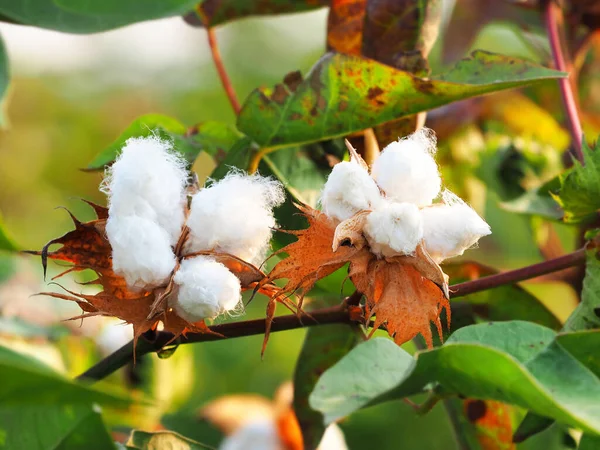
<point>148,180</point>
<point>141,251</point>
<point>235,215</point>
<point>394,229</point>
<point>348,190</point>
<point>451,228</point>
<point>406,170</point>
<point>256,435</point>
<point>206,288</point>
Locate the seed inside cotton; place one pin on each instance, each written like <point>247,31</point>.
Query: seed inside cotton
<point>348,190</point>
<point>205,289</point>
<point>406,170</point>
<point>451,228</point>
<point>394,229</point>
<point>235,215</point>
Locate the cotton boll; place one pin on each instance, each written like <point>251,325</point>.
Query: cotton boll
<point>113,336</point>
<point>394,229</point>
<point>406,170</point>
<point>148,180</point>
<point>258,435</point>
<point>206,288</point>
<point>348,190</point>
<point>451,228</point>
<point>235,215</point>
<point>141,251</point>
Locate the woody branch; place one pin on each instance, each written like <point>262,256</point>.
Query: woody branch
<point>338,314</point>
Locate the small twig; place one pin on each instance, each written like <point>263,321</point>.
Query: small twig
<point>553,17</point>
<point>216,56</point>
<point>338,314</point>
<point>514,276</point>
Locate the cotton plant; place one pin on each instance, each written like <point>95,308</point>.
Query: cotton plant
<point>394,224</point>
<point>163,257</point>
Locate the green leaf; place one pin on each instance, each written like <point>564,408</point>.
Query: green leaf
<point>323,347</point>
<point>53,427</point>
<point>237,157</point>
<point>47,14</point>
<point>129,11</point>
<point>345,94</point>
<point>579,193</point>
<point>371,369</point>
<point>536,202</point>
<point>6,242</point>
<point>26,381</point>
<point>215,138</point>
<point>589,442</point>
<point>221,11</point>
<point>587,313</point>
<point>143,440</point>
<point>514,362</point>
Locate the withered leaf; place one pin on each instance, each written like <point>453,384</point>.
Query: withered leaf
<point>406,293</point>
<point>345,26</point>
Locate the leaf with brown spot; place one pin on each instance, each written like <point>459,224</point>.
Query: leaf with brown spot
<point>345,26</point>
<point>333,101</point>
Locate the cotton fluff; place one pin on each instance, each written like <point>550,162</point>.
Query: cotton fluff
<point>394,229</point>
<point>451,228</point>
<point>141,251</point>
<point>348,190</point>
<point>148,180</point>
<point>406,170</point>
<point>256,435</point>
<point>206,288</point>
<point>235,215</point>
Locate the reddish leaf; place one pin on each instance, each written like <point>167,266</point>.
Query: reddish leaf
<point>345,26</point>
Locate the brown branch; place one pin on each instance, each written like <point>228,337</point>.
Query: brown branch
<point>216,56</point>
<point>553,17</point>
<point>338,314</point>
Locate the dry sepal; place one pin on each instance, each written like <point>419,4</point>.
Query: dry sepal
<point>393,238</point>
<point>160,260</point>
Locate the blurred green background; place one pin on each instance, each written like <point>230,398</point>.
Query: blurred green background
<point>72,95</point>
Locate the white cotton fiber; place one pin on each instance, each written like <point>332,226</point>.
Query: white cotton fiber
<point>394,229</point>
<point>148,180</point>
<point>256,435</point>
<point>348,190</point>
<point>451,228</point>
<point>235,215</point>
<point>206,288</point>
<point>141,251</point>
<point>333,439</point>
<point>406,170</point>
